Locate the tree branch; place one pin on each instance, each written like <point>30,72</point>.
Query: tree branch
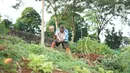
<point>51,4</point>
<point>64,12</point>
<point>104,25</point>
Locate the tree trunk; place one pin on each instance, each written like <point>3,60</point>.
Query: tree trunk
<point>42,26</point>
<point>98,34</point>
<point>56,22</point>
<point>73,35</point>
<point>73,24</point>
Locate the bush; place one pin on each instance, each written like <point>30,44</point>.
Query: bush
<point>73,46</point>
<point>124,59</point>
<point>39,63</point>
<point>3,29</point>
<point>81,70</point>
<point>86,45</point>
<point>119,63</point>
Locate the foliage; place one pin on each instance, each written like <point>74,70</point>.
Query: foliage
<point>29,21</point>
<point>49,23</point>
<point>7,23</point>
<point>125,41</point>
<point>86,45</point>
<point>73,46</point>
<point>40,63</point>
<point>113,39</point>
<point>125,59</point>
<point>17,49</point>
<point>58,58</point>
<point>83,70</point>
<point>101,70</point>
<point>119,63</point>
<point>3,29</point>
<point>80,25</point>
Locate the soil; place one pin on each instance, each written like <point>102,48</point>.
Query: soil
<point>2,47</point>
<point>90,58</point>
<point>25,70</point>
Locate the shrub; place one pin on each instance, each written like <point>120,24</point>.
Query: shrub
<point>81,70</point>
<point>73,47</point>
<point>113,39</point>
<point>86,45</point>
<point>124,59</point>
<point>3,29</point>
<point>119,63</point>
<point>39,63</point>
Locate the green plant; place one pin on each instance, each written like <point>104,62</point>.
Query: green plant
<point>101,70</point>
<point>3,29</point>
<point>113,39</point>
<point>29,21</point>
<point>39,63</point>
<point>17,48</point>
<point>81,70</point>
<point>73,47</point>
<point>86,45</point>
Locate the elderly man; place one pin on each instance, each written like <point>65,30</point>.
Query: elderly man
<point>61,37</point>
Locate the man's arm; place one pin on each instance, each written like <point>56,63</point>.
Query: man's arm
<point>66,38</point>
<point>54,36</point>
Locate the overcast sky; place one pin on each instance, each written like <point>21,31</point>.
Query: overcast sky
<point>7,11</point>
<point>12,14</point>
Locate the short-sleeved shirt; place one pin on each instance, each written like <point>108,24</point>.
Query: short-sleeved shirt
<point>62,36</point>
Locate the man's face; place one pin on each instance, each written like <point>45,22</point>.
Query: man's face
<point>61,30</point>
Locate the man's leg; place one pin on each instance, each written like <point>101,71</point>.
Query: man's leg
<point>54,44</point>
<point>66,46</point>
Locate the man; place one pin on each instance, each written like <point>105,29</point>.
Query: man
<point>61,37</point>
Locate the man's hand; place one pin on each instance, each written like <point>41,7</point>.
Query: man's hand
<point>54,36</point>
<point>59,41</point>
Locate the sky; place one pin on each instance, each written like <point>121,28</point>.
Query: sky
<point>7,11</point>
<point>12,14</point>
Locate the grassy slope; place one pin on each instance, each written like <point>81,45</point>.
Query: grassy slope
<point>16,48</point>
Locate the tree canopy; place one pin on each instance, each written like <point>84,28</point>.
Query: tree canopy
<point>29,21</point>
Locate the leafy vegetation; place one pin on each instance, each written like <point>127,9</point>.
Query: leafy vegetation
<point>85,20</point>
<point>17,49</point>
<point>86,45</point>
<point>29,21</point>
<point>40,63</point>
<point>113,39</point>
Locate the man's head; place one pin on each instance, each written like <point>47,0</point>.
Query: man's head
<point>62,28</point>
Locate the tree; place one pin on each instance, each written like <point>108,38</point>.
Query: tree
<point>7,23</point>
<point>67,22</point>
<point>3,29</point>
<point>113,39</point>
<point>29,21</point>
<point>56,7</point>
<point>100,13</point>
<point>73,16</point>
<point>17,5</point>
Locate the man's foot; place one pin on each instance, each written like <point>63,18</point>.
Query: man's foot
<point>68,51</point>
